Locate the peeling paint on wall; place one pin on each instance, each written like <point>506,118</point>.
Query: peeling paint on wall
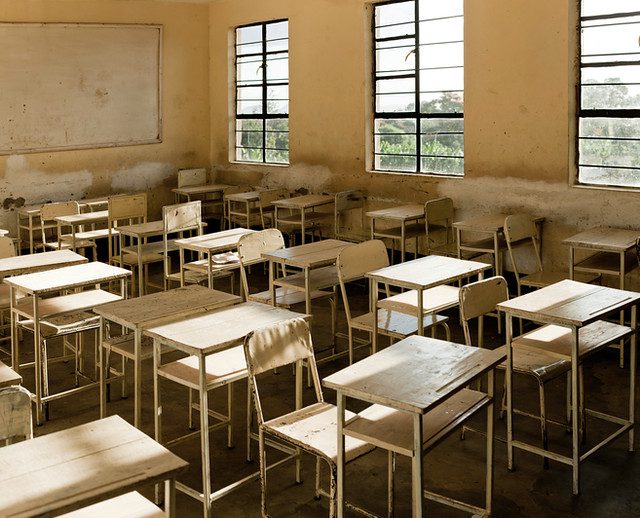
<point>142,177</point>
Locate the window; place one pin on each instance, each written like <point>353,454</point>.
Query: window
<point>419,86</point>
<point>609,100</point>
<point>262,93</point>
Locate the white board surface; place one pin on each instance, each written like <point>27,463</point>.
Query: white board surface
<point>71,86</point>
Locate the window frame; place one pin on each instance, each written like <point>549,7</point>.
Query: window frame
<point>595,113</point>
<point>417,116</point>
<point>264,85</point>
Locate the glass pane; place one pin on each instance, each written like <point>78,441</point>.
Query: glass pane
<point>251,34</point>
<point>390,86</point>
<point>395,126</point>
<point>396,163</point>
<point>445,102</point>
<point>601,176</point>
<point>398,60</point>
<point>442,79</point>
<point>250,48</point>
<point>277,157</point>
<point>452,166</point>
<point>278,93</point>
<point>395,144</point>
<point>442,144</point>
<point>395,102</point>
<point>249,94</point>
<point>249,107</point>
<point>395,19</point>
<point>445,55</point>
<point>249,139</point>
<point>277,125</point>
<point>277,140</point>
<point>277,107</point>
<point>248,155</point>
<point>278,68</point>
<point>440,8</point>
<point>249,70</point>
<point>624,153</point>
<point>249,125</point>
<point>278,30</point>
<point>609,127</point>
<point>611,96</point>
<point>615,38</point>
<point>599,7</point>
<point>449,29</point>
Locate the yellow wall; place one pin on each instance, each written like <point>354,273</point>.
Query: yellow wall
<point>93,172</point>
<point>519,112</point>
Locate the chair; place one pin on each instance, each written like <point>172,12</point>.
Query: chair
<point>352,264</point>
<point>191,177</point>
<point>129,209</point>
<point>520,229</point>
<point>265,204</point>
<point>15,414</point>
<point>345,202</point>
<point>224,214</point>
<point>48,213</point>
<point>311,428</point>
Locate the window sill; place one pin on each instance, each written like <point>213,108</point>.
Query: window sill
<point>605,187</point>
<point>258,164</point>
<point>418,175</point>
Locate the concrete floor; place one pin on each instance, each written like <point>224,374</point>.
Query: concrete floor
<point>610,479</point>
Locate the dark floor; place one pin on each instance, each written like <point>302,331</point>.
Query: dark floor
<point>610,479</point>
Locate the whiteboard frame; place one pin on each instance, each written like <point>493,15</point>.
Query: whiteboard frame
<point>100,145</point>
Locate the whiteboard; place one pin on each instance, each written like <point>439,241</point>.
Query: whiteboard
<point>73,86</point>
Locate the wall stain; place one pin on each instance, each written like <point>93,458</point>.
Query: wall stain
<point>12,203</point>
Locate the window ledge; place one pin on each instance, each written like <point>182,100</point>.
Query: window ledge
<point>420,175</point>
<point>617,188</point>
<point>258,164</point>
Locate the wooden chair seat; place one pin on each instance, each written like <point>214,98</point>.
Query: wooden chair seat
<point>434,300</point>
<point>538,364</point>
<point>222,368</point>
<point>202,265</point>
<point>124,346</point>
<point>556,340</point>
<point>65,324</point>
<point>319,279</point>
<point>393,430</point>
<point>394,323</point>
<point>288,297</point>
<point>546,278</point>
<point>8,376</point>
<point>130,505</point>
<point>314,428</point>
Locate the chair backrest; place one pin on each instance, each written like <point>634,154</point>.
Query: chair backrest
<point>50,211</point>
<point>190,177</point>
<point>15,414</point>
<point>521,228</point>
<point>7,247</point>
<point>438,214</point>
<point>276,346</point>
<point>177,219</point>
<point>266,198</point>
<point>346,201</point>
<point>479,298</point>
<point>252,246</point>
<point>124,209</point>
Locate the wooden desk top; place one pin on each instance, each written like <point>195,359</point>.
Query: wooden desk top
<point>214,242</point>
<point>304,202</point>
<point>8,376</point>
<point>569,303</point>
<point>426,272</point>
<point>408,212</point>
<point>84,218</point>
<point>310,255</point>
<point>607,239</point>
<point>165,305</point>
<point>429,371</point>
<point>67,277</point>
<point>148,229</point>
<point>245,197</point>
<point>201,189</point>
<point>209,332</point>
<point>76,467</point>
<point>488,223</point>
<point>30,263</point>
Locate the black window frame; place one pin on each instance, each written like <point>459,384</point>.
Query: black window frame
<point>264,84</point>
<point>604,113</point>
<point>416,115</point>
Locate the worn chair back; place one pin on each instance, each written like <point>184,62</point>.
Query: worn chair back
<point>191,177</point>
<point>252,246</point>
<point>266,199</point>
<point>7,247</point>
<point>439,215</point>
<point>346,201</point>
<point>124,209</point>
<point>479,298</point>
<point>15,414</point>
<point>276,346</point>
<point>179,219</point>
<point>521,229</point>
<point>50,211</point>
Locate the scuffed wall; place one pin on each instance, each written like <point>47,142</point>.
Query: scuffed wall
<point>40,177</point>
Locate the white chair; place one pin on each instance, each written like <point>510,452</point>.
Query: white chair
<point>265,204</point>
<point>15,414</point>
<point>310,428</point>
<point>352,263</point>
<point>192,177</point>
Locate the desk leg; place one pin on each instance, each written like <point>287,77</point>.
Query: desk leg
<point>157,408</point>
<point>137,378</point>
<point>140,269</point>
<point>374,308</point>
<point>204,438</point>
<point>272,287</point>
<point>575,408</point>
<point>170,498</point>
<point>15,353</point>
<point>103,374</point>
<point>302,223</point>
<point>622,286</point>
<point>38,359</point>
<point>307,291</point>
<point>31,229</point>
<point>633,343</point>
<point>509,387</point>
<point>340,403</point>
<point>489,478</point>
<point>572,258</point>
<point>416,467</point>
<point>402,242</point>
<point>420,295</point>
<point>181,252</point>
<point>496,257</point>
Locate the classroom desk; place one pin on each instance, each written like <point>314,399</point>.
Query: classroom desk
<point>410,219</point>
<point>78,220</point>
<point>427,276</point>
<point>210,194</point>
<point>209,245</point>
<point>306,206</point>
<point>31,263</point>
<point>572,305</point>
<point>429,403</point>
<point>492,224</point>
<point>79,466</point>
<point>8,376</point>
<point>38,305</point>
<point>148,310</point>
<point>200,336</point>
<point>250,211</point>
